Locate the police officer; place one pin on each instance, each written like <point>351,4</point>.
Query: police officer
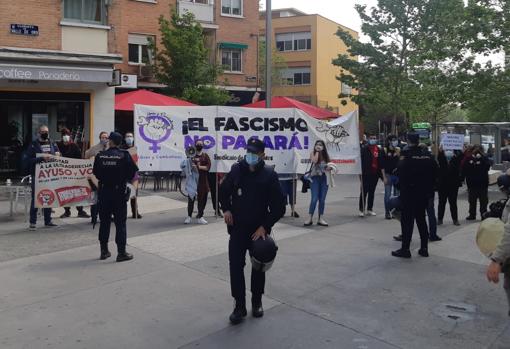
<point>417,172</point>
<point>114,168</point>
<point>252,202</point>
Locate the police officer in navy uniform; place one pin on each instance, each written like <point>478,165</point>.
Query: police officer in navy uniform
<point>252,202</point>
<point>417,171</point>
<point>114,168</point>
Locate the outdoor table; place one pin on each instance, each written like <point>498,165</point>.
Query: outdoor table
<point>12,190</point>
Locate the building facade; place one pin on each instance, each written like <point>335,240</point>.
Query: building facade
<point>308,45</point>
<point>230,33</point>
<point>55,69</point>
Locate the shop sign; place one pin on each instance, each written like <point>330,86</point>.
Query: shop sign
<point>25,29</point>
<point>11,72</point>
<point>129,81</point>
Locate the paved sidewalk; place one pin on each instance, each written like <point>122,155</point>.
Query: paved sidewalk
<point>335,287</point>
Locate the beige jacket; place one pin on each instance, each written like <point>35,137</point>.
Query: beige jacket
<point>94,150</point>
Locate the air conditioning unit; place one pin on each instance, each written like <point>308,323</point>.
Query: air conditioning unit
<point>145,72</point>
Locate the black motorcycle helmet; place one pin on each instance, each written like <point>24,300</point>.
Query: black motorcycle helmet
<point>263,253</point>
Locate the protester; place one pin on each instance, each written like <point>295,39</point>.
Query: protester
<point>505,150</point>
<point>213,178</point>
<point>417,171</point>
<point>200,164</point>
<point>476,172</point>
<point>500,258</point>
<point>252,202</point>
<point>371,168</point>
<point>431,210</point>
<point>90,153</point>
<point>129,145</point>
<point>69,149</point>
<point>42,146</point>
<point>319,182</point>
<point>287,182</point>
<point>449,182</point>
<point>391,157</point>
<point>114,168</point>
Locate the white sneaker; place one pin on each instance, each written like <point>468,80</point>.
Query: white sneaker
<point>322,222</point>
<point>32,227</point>
<point>371,213</point>
<point>201,220</point>
<point>361,214</point>
<point>187,220</point>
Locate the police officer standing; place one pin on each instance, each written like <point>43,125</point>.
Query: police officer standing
<point>252,202</point>
<point>114,168</point>
<point>417,172</point>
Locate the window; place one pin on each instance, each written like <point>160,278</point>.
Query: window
<point>231,60</point>
<point>294,41</point>
<point>86,11</point>
<point>296,76</point>
<point>346,89</point>
<point>232,7</point>
<point>138,51</point>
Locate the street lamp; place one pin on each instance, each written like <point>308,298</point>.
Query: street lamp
<point>269,39</point>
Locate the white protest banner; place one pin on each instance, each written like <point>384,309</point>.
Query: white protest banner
<point>452,141</point>
<point>63,182</point>
<point>163,133</point>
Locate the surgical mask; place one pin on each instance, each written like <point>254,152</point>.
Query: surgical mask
<point>319,148</point>
<point>130,141</point>
<point>394,143</point>
<point>66,138</point>
<point>44,136</point>
<point>372,141</point>
<point>104,141</point>
<point>252,159</point>
<point>199,147</point>
<point>448,154</point>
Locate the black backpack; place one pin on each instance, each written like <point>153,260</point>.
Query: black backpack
<point>495,209</point>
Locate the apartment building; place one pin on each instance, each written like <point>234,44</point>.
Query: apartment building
<point>55,68</point>
<point>230,33</point>
<point>308,45</point>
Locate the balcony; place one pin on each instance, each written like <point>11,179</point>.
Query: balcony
<point>202,9</point>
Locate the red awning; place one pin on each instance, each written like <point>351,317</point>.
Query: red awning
<point>286,102</point>
<point>126,101</point>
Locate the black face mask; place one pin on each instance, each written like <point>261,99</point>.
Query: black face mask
<point>199,147</point>
<point>44,136</point>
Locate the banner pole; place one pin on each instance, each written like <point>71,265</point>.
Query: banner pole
<point>294,193</point>
<point>217,210</point>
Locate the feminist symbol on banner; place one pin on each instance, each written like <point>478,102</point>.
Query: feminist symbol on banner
<point>155,128</point>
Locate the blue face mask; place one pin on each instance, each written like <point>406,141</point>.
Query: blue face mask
<point>252,159</point>
<point>372,141</point>
<point>448,154</point>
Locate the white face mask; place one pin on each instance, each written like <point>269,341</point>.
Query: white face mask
<point>66,138</point>
<point>394,143</point>
<point>129,141</point>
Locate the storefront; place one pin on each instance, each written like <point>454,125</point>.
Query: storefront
<point>53,88</point>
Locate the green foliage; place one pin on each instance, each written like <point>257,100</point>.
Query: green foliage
<point>416,62</point>
<point>182,63</point>
<point>278,65</point>
<point>206,95</point>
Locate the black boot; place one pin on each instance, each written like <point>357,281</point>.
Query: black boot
<point>423,252</point>
<point>401,253</point>
<point>124,256</point>
<point>239,313</point>
<point>104,252</point>
<point>256,307</point>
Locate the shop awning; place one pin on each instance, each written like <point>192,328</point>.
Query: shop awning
<point>286,102</point>
<point>126,101</point>
<point>233,45</point>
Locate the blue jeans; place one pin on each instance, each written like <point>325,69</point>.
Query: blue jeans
<point>388,190</point>
<point>319,187</point>
<point>431,213</point>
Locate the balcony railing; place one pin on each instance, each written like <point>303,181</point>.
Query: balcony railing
<point>202,9</point>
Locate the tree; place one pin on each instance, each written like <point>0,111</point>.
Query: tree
<point>278,66</point>
<point>411,65</point>
<point>182,63</point>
